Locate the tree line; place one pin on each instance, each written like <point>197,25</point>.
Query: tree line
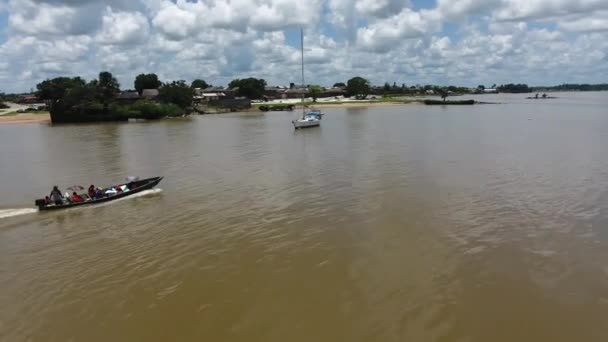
<point>76,100</point>
<point>72,99</point>
<point>514,88</point>
<point>577,87</point>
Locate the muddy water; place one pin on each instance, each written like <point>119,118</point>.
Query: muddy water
<point>484,223</point>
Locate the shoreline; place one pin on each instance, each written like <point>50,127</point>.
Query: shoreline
<point>45,118</point>
<point>353,104</point>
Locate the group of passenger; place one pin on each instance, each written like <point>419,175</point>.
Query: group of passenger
<point>95,193</point>
<point>57,198</point>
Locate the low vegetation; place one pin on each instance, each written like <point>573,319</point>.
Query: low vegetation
<point>575,87</point>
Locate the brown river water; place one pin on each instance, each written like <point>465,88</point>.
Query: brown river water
<point>409,223</point>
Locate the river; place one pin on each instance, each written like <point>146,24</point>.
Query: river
<point>400,223</point>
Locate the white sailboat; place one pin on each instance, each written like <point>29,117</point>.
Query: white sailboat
<point>310,117</point>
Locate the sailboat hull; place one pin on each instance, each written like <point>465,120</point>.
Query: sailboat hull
<point>305,123</point>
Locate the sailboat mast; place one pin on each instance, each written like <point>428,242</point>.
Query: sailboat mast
<point>303,85</point>
<point>302,50</point>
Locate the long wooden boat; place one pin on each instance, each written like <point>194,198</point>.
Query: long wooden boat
<point>443,103</point>
<point>134,187</point>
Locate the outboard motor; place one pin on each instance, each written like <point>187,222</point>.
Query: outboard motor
<point>40,203</point>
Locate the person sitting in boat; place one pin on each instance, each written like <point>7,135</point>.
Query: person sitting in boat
<point>76,198</point>
<point>91,191</point>
<point>98,193</point>
<point>47,200</point>
<point>56,196</point>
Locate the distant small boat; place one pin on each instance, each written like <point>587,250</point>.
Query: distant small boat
<point>439,102</point>
<point>134,187</point>
<point>541,98</point>
<point>544,97</point>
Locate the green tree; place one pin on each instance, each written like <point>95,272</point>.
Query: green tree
<point>176,92</point>
<point>146,81</point>
<point>107,88</point>
<point>251,88</point>
<point>62,94</point>
<point>339,84</point>
<point>481,87</point>
<point>198,83</point>
<point>52,91</point>
<point>387,87</point>
<point>315,92</point>
<point>357,86</point>
<point>514,88</point>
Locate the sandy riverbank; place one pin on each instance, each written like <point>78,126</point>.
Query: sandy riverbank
<point>359,104</point>
<point>25,118</point>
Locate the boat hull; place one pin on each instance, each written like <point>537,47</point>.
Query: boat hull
<point>144,184</point>
<point>306,123</point>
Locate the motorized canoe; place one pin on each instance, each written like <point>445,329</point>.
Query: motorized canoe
<point>134,187</point>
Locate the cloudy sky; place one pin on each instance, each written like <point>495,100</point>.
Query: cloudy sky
<point>467,42</point>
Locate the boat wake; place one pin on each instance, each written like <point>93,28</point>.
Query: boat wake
<point>5,213</point>
<point>140,194</point>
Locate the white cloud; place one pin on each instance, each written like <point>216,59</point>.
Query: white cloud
<point>279,14</point>
<point>461,41</point>
<point>524,9</point>
<point>35,19</point>
<point>384,34</point>
<point>381,8</point>
<point>174,21</point>
<point>342,15</point>
<point>597,21</point>
<point>123,27</point>
<point>458,9</point>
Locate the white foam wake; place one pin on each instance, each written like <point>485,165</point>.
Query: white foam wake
<point>140,194</point>
<point>4,213</point>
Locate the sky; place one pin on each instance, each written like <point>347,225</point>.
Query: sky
<point>443,42</point>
